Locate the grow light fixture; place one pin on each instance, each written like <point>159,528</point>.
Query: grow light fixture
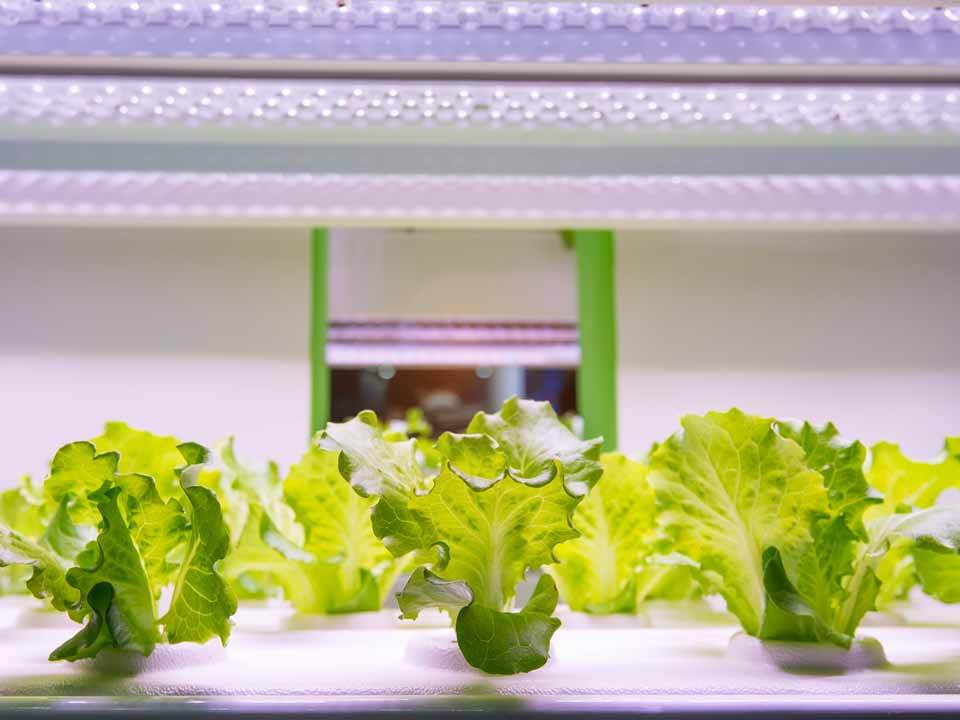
<point>581,36</point>
<point>452,344</point>
<point>34,105</point>
<point>273,199</point>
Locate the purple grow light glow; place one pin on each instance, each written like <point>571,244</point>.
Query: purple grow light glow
<point>471,31</point>
<point>274,199</point>
<point>33,103</point>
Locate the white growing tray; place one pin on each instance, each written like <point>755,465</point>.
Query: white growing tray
<point>373,662</point>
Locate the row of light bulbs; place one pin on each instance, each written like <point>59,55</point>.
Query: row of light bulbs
<point>472,14</point>
<point>28,101</point>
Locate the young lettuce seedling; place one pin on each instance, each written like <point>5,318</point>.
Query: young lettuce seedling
<point>502,501</point>
<point>775,513</point>
<point>128,520</point>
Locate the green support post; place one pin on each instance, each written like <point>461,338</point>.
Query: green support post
<point>596,291</point>
<point>319,372</point>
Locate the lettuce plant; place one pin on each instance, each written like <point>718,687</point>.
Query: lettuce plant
<point>773,514</point>
<point>615,565</point>
<point>909,485</point>
<point>22,510</point>
<point>307,538</point>
<point>128,523</point>
<point>501,503</point>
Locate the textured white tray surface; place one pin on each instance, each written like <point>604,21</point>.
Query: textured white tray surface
<point>370,658</point>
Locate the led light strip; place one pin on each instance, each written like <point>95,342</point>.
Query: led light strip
<point>578,34</point>
<point>478,14</point>
<point>340,355</point>
<point>36,104</point>
<point>448,344</point>
<point>97,198</point>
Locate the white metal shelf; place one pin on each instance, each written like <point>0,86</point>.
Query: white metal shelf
<point>359,665</point>
<point>265,199</point>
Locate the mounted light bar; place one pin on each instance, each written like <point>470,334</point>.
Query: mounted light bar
<point>474,35</point>
<point>449,344</point>
<point>609,113</point>
<point>246,199</point>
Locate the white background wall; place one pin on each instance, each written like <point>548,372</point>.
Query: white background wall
<point>202,333</point>
<point>389,275</point>
<point>863,330</point>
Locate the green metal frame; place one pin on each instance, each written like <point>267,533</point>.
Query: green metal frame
<point>319,372</point>
<point>596,291</point>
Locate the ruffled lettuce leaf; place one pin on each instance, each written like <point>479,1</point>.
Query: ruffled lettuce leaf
<point>384,469</point>
<point>841,467</point>
<point>730,488</point>
<point>597,571</point>
<point>263,552</point>
<point>494,534</point>
<point>537,446</point>
<point>116,587</point>
<point>45,570</point>
<point>145,542</point>
<point>339,533</point>
<point>499,507</point>
<point>157,528</point>
<point>79,471</point>
<point>262,487</point>
<point>907,484</point>
<point>241,488</point>
<point>22,509</point>
<point>202,604</point>
<point>157,456</point>
<point>807,605</point>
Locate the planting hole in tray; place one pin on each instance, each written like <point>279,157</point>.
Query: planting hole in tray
<point>866,653</point>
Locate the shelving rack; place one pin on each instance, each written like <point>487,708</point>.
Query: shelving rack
<point>575,116</point>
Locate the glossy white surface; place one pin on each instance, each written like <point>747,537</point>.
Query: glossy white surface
<point>380,660</point>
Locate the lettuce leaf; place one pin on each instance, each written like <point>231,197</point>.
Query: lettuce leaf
<point>597,571</point>
<point>907,485</point>
<point>939,574</point>
<point>384,469</point>
<point>263,552</point>
<point>107,553</point>
<point>506,643</point>
<point>808,605</point>
<point>339,534</point>
<point>202,603</point>
<point>47,579</point>
<point>729,488</point>
<point>501,504</point>
<point>116,586</point>
<point>79,471</point>
<point>22,509</point>
<point>325,558</point>
<point>157,456</point>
